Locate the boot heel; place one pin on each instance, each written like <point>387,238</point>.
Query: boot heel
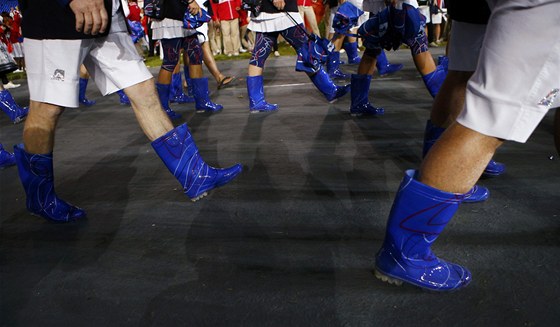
<point>379,275</point>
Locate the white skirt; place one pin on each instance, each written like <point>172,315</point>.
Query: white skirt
<point>266,22</point>
<point>169,29</point>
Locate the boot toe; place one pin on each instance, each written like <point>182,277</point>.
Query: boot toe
<point>226,175</point>
<point>494,169</point>
<point>390,69</point>
<point>477,194</point>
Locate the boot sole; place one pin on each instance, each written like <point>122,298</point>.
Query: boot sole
<point>199,197</point>
<point>398,282</point>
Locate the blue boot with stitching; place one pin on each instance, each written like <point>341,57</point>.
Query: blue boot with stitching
<point>330,90</point>
<point>36,175</point>
<point>419,214</point>
<point>257,102</point>
<point>163,92</point>
<point>179,153</point>
<point>202,96</point>
<point>9,106</point>
<point>359,92</point>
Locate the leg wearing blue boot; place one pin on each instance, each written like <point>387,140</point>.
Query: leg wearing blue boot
<point>202,96</point>
<point>333,63</point>
<point>124,100</point>
<point>82,93</point>
<point>419,214</point>
<point>163,92</point>
<point>359,90</point>
<point>443,61</point>
<point>431,135</point>
<point>330,90</point>
<point>352,52</point>
<point>384,67</point>
<point>434,80</point>
<point>6,159</point>
<point>177,95</point>
<point>16,113</point>
<point>36,175</point>
<point>180,155</point>
<point>257,102</point>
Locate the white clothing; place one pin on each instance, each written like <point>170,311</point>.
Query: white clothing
<point>464,50</point>
<point>53,66</point>
<point>517,79</point>
<point>277,22</point>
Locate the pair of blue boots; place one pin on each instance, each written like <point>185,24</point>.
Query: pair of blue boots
<point>321,80</point>
<point>176,149</point>
<point>198,93</point>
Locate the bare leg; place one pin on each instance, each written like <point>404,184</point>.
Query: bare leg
<point>367,65</point>
<point>211,63</point>
<point>451,98</point>
<point>457,160</point>
<point>146,105</point>
<point>40,126</point>
<point>255,70</point>
<point>424,62</point>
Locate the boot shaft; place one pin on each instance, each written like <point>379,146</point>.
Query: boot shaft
<point>418,215</point>
<point>10,107</point>
<point>359,89</point>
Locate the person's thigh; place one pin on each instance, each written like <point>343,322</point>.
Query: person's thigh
<point>53,70</point>
<point>517,79</point>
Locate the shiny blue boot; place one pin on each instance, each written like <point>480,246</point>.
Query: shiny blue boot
<point>494,169</point>
<point>36,175</point>
<point>180,155</point>
<point>163,92</point>
<point>333,62</point>
<point>352,52</point>
<point>177,95</point>
<point>16,113</point>
<point>384,67</point>
<point>359,90</point>
<point>419,214</point>
<point>434,80</point>
<point>6,159</point>
<point>202,96</point>
<point>431,135</point>
<point>330,90</point>
<point>255,89</point>
<point>190,92</point>
<point>82,93</point>
<point>443,61</point>
<point>124,100</point>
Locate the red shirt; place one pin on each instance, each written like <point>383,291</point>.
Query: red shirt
<point>134,12</point>
<point>226,9</point>
<point>15,32</point>
<point>305,3</point>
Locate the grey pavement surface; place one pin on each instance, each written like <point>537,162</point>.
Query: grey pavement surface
<point>291,241</point>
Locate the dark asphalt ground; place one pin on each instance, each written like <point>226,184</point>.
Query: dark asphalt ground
<point>291,241</point>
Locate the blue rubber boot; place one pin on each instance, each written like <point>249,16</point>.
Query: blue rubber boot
<point>180,155</point>
<point>6,159</point>
<point>384,67</point>
<point>36,175</point>
<point>176,90</point>
<point>352,52</point>
<point>494,169</point>
<point>82,93</point>
<point>443,61</point>
<point>359,90</point>
<point>419,214</point>
<point>330,90</point>
<point>163,92</point>
<point>16,113</point>
<point>431,134</point>
<point>333,62</point>
<point>434,80</point>
<point>124,100</point>
<point>257,102</point>
<point>190,92</point>
<point>202,96</point>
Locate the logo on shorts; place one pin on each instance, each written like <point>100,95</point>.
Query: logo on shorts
<point>58,75</point>
<point>549,98</point>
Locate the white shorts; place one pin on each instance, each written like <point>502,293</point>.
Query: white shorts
<point>18,50</point>
<point>331,19</point>
<point>202,33</point>
<point>437,18</point>
<point>464,48</point>
<point>517,78</point>
<point>53,66</point>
